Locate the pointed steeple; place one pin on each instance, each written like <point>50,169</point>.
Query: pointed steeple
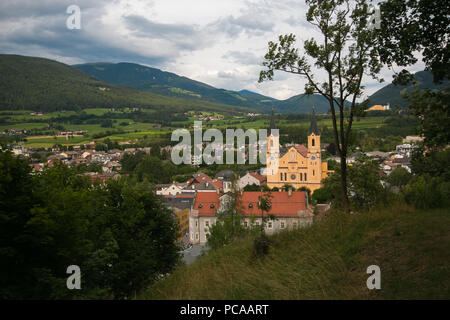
<point>313,127</point>
<point>272,121</point>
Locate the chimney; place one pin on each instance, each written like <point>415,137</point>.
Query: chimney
<point>207,184</point>
<point>218,190</point>
<point>289,192</point>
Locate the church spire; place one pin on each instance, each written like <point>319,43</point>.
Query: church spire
<point>272,121</point>
<point>313,127</point>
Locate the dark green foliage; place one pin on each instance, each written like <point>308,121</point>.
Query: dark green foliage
<point>399,177</point>
<point>411,26</point>
<point>364,187</point>
<point>432,108</point>
<point>120,235</point>
<point>428,192</point>
<point>322,195</point>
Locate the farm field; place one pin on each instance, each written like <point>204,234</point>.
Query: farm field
<point>123,128</point>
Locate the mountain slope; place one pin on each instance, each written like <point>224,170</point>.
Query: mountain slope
<point>169,84</point>
<point>327,261</point>
<point>303,104</point>
<point>41,84</point>
<point>392,94</point>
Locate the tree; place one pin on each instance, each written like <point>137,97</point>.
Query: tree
<point>411,26</point>
<point>228,226</point>
<point>347,53</point>
<point>16,200</point>
<point>365,189</point>
<point>432,108</point>
<point>264,204</point>
<point>399,177</point>
<point>120,235</point>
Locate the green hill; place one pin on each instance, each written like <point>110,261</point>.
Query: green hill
<point>30,83</point>
<point>392,94</point>
<point>328,261</point>
<point>170,84</point>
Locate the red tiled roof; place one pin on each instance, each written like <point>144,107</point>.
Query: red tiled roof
<point>201,177</point>
<point>302,150</point>
<point>217,183</point>
<point>206,203</point>
<point>283,205</point>
<point>258,176</point>
<point>180,196</point>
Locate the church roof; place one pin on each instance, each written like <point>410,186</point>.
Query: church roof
<point>300,148</point>
<point>313,127</point>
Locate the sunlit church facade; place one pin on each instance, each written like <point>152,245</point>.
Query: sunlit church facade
<point>298,166</point>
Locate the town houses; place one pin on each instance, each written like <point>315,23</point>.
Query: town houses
<point>197,201</point>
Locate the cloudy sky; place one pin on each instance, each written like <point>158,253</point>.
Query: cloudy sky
<point>219,42</point>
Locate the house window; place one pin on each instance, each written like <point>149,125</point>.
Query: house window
<point>250,205</point>
<point>257,222</point>
<point>207,223</point>
<point>196,236</point>
<point>196,223</point>
<point>282,225</point>
<point>294,224</point>
<point>269,225</point>
<point>245,224</point>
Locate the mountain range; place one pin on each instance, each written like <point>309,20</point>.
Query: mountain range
<point>43,84</point>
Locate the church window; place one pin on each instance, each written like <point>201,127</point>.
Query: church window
<point>301,176</point>
<point>314,172</point>
<point>285,176</point>
<point>293,156</point>
<point>313,142</point>
<point>305,176</point>
<point>281,176</point>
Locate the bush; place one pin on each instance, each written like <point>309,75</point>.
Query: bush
<point>428,192</point>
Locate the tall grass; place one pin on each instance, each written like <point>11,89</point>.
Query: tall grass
<point>328,261</point>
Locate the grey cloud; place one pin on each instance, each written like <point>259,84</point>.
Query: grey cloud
<point>247,58</point>
<point>11,9</point>
<point>182,36</point>
<point>248,23</point>
<point>52,36</point>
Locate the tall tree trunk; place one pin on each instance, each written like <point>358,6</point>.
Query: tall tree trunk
<point>345,201</point>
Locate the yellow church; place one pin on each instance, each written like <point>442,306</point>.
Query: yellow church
<point>298,166</point>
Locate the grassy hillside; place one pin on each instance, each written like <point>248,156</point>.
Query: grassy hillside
<point>392,94</point>
<point>29,83</point>
<point>328,261</point>
<point>170,84</point>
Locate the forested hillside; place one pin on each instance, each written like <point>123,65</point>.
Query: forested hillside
<point>29,83</point>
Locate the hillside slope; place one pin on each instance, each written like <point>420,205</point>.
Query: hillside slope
<point>392,94</point>
<point>32,83</point>
<point>328,261</point>
<point>170,84</point>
